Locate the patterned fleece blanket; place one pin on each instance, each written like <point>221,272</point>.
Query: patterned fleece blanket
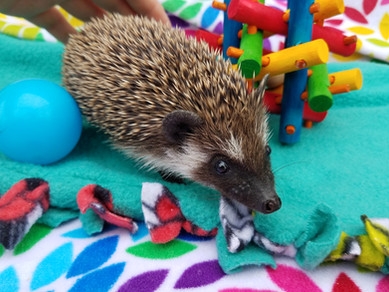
<point>309,228</point>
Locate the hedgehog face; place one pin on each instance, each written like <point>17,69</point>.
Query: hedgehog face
<point>253,188</point>
<point>221,164</point>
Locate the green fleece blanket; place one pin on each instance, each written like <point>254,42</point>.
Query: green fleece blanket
<point>337,172</point>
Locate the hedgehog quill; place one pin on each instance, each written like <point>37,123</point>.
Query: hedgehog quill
<point>173,104</point>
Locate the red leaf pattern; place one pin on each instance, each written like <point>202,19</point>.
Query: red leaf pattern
<point>368,6</point>
<point>383,285</point>
<point>344,283</point>
<point>291,279</point>
<point>335,21</point>
<point>355,15</point>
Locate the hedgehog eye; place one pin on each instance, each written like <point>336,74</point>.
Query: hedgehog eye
<point>221,167</point>
<point>268,150</point>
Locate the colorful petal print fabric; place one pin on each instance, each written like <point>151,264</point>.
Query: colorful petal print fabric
<point>368,19</point>
<point>66,259</point>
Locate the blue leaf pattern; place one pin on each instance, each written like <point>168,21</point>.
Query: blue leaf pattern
<point>190,237</point>
<point>93,256</point>
<point>77,233</point>
<point>80,232</point>
<point>99,280</point>
<point>53,266</point>
<point>142,232</point>
<point>9,281</point>
<point>209,16</point>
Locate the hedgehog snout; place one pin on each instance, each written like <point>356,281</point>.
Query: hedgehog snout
<point>266,200</point>
<point>271,206</point>
<point>256,197</point>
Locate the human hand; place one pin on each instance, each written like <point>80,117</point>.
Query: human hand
<point>43,13</point>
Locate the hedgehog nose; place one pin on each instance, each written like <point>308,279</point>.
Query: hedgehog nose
<point>271,206</point>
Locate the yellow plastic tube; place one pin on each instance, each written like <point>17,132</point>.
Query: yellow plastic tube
<point>294,58</point>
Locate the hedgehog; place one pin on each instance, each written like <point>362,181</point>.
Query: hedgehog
<point>173,104</point>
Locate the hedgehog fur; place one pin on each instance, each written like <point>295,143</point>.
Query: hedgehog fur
<point>171,103</point>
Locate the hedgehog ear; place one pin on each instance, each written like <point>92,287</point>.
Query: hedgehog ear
<point>178,124</point>
<point>260,90</point>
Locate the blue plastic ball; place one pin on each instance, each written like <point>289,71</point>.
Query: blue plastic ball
<point>40,122</point>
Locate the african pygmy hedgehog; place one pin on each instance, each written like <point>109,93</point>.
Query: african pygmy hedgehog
<point>173,104</point>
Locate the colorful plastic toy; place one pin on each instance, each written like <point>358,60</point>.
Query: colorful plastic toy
<point>307,91</point>
<point>40,122</point>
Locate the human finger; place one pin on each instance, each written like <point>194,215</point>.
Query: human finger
<point>119,6</point>
<point>149,8</point>
<point>26,9</point>
<point>55,23</point>
<point>82,9</point>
